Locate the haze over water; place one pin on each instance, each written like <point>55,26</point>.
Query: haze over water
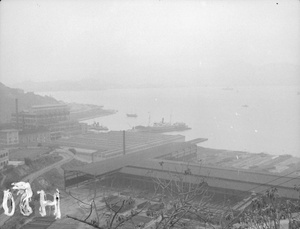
<point>122,44</point>
<point>253,119</point>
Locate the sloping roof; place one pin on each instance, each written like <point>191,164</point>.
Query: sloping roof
<point>40,129</point>
<point>113,164</point>
<point>8,130</point>
<point>49,105</point>
<point>143,167</point>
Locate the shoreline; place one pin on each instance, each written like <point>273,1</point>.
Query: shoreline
<point>81,112</point>
<point>94,116</point>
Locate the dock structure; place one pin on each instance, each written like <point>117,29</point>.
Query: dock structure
<point>163,155</point>
<point>115,143</point>
<point>115,164</point>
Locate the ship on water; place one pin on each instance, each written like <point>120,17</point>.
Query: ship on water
<point>132,115</point>
<point>162,127</point>
<point>96,126</point>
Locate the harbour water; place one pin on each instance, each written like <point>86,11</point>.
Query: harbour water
<point>253,119</point>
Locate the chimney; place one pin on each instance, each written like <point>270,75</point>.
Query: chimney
<point>124,145</point>
<point>17,113</point>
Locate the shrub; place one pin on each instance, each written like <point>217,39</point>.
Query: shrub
<point>28,161</point>
<point>72,150</point>
<point>7,183</point>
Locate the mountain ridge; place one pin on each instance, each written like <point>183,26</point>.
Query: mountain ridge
<point>234,74</point>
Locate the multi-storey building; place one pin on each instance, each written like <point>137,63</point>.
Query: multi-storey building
<point>9,137</point>
<point>3,158</point>
<point>42,115</point>
<point>38,135</point>
<point>55,117</point>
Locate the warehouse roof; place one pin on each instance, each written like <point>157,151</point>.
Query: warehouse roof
<point>112,164</point>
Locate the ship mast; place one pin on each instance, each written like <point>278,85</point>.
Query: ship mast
<point>149,119</point>
<point>171,116</point>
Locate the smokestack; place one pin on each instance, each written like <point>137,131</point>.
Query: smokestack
<point>124,145</point>
<point>17,113</point>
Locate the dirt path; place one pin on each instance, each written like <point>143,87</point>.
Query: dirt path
<point>66,158</point>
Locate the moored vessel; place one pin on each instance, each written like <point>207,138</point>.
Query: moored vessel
<point>96,126</point>
<point>132,115</point>
<point>161,127</point>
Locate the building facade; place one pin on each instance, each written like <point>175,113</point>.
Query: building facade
<point>39,135</point>
<point>42,115</point>
<point>4,155</point>
<point>54,117</point>
<point>9,137</point>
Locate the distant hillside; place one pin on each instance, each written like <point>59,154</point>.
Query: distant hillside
<point>233,75</point>
<point>243,74</point>
<point>68,85</point>
<point>25,100</point>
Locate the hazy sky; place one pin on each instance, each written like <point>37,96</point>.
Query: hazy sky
<point>47,40</point>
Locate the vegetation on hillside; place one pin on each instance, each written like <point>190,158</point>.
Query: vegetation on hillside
<point>25,101</point>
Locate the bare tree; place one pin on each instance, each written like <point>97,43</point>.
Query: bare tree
<point>266,211</point>
<point>183,195</point>
<point>109,216</point>
<point>177,196</point>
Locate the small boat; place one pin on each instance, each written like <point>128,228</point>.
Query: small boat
<point>96,126</point>
<point>245,105</point>
<point>132,115</point>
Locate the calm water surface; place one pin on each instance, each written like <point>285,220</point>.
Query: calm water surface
<point>253,119</point>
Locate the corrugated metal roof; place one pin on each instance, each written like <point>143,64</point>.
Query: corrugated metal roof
<point>116,163</point>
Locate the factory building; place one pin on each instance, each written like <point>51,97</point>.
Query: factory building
<point>42,115</point>
<point>38,135</point>
<point>4,155</point>
<point>54,117</point>
<point>9,137</point>
<point>175,158</point>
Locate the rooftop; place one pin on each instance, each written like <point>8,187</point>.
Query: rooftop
<point>8,130</point>
<point>114,164</point>
<point>49,106</point>
<point>244,161</point>
<point>81,150</point>
<point>40,129</point>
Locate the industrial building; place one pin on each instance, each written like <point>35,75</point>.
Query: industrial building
<point>112,144</point>
<point>54,117</point>
<point>9,137</point>
<point>42,115</point>
<point>38,135</point>
<point>178,157</point>
<point>4,157</point>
